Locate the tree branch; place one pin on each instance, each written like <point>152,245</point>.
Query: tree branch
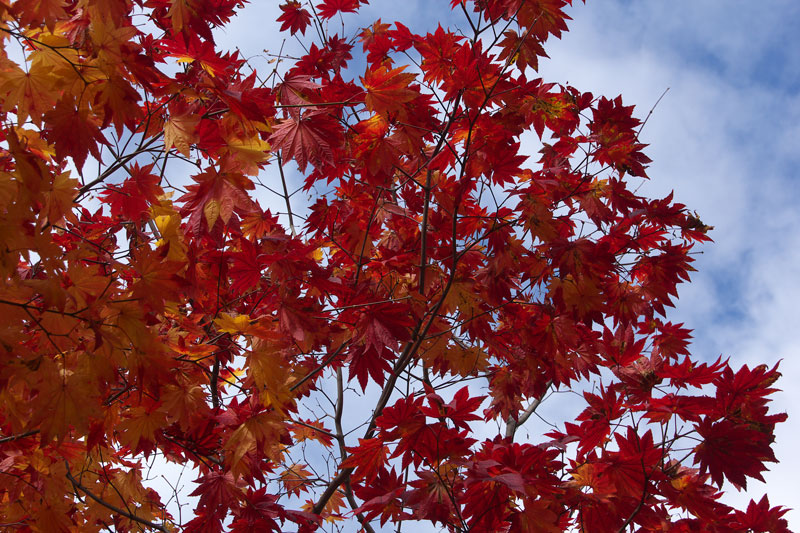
<point>512,425</point>
<point>11,438</point>
<point>337,420</point>
<point>121,512</point>
<point>286,195</point>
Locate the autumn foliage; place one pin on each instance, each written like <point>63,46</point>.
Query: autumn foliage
<point>475,246</point>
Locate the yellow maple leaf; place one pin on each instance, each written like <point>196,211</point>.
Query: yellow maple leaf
<point>129,484</point>
<point>109,37</point>
<point>234,325</point>
<point>59,200</point>
<point>262,431</point>
<point>168,222</point>
<point>247,152</point>
<point>52,292</point>
<point>184,403</point>
<point>53,516</point>
<point>8,189</point>
<point>86,285</point>
<point>241,442</point>
<point>296,479</point>
<point>270,373</point>
<point>455,357</point>
<point>179,14</point>
<point>580,294</point>
<point>211,211</point>
<point>30,93</point>
<point>331,511</point>
<point>140,425</point>
<point>33,142</point>
<point>179,132</point>
<point>67,401</point>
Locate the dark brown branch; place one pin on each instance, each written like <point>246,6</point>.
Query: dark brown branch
<point>637,509</point>
<point>214,383</point>
<point>317,370</point>
<point>361,261</point>
<point>120,163</point>
<point>286,196</point>
<point>423,261</point>
<point>11,438</point>
<point>121,512</point>
<point>650,113</point>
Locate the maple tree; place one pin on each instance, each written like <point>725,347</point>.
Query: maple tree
<point>376,360</point>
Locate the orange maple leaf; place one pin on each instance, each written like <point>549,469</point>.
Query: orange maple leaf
<point>388,90</point>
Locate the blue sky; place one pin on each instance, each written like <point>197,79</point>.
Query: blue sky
<point>725,138</point>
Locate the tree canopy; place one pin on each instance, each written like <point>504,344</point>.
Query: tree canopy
<point>475,246</point>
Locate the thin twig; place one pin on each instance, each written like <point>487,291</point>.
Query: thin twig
<point>11,438</point>
<point>322,365</point>
<point>650,113</point>
<point>121,512</point>
<point>286,195</point>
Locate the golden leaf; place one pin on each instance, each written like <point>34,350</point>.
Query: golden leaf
<point>179,132</point>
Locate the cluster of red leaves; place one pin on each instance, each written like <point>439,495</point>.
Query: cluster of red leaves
<point>198,329</point>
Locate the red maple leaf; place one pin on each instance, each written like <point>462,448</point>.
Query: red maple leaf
<point>247,267</point>
<point>367,458</point>
<point>732,451</point>
<point>218,490</point>
<point>138,192</point>
<point>216,196</point>
<point>78,134</point>
<point>290,91</point>
<point>294,18</point>
<point>329,8</point>
<point>259,513</point>
<point>382,496</point>
<point>760,518</point>
<point>307,138</point>
<point>632,467</point>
